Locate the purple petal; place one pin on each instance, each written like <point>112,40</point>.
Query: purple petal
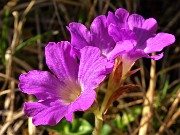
<point>148,30</point>
<point>122,14</point>
<point>156,57</point>
<point>119,34</point>
<point>136,54</point>
<point>99,35</point>
<point>112,19</point>
<point>119,19</point>
<point>42,84</point>
<point>114,32</point>
<point>48,112</point>
<point>135,21</point>
<point>139,54</point>
<point>120,48</point>
<point>143,29</point>
<point>84,102</point>
<point>80,35</point>
<point>92,69</point>
<point>157,43</point>
<point>150,25</point>
<point>61,60</point>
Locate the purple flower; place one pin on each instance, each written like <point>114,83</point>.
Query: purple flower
<point>70,86</point>
<point>97,36</point>
<point>138,34</point>
<point>131,37</point>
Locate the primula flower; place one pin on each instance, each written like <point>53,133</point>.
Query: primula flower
<point>133,37</point>
<point>97,36</point>
<point>138,34</point>
<point>68,87</point>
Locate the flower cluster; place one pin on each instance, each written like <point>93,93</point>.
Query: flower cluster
<point>79,66</point>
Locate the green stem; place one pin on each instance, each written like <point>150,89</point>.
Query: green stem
<point>98,126</point>
<point>99,114</point>
<point>105,101</point>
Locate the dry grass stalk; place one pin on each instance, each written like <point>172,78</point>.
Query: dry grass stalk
<point>8,123</point>
<point>148,101</point>
<point>169,120</point>
<point>136,102</point>
<point>59,19</point>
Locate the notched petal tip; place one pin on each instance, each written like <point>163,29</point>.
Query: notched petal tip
<point>100,17</point>
<point>121,10</point>
<point>71,25</point>
<point>50,44</point>
<point>21,77</point>
<point>23,80</point>
<point>136,17</point>
<point>98,24</point>
<point>122,13</point>
<point>135,21</point>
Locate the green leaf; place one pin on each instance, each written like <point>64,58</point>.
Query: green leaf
<point>106,129</point>
<point>77,127</point>
<point>128,117</point>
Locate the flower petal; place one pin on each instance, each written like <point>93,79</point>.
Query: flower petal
<point>112,19</point>
<point>156,57</point>
<point>157,43</point>
<point>143,29</point>
<point>119,19</point>
<point>120,34</point>
<point>61,60</point>
<point>150,25</point>
<point>84,102</point>
<point>120,48</point>
<point>92,69</point>
<point>135,21</point>
<point>80,35</point>
<point>136,54</point>
<point>148,30</point>
<point>99,35</point>
<point>48,112</point>
<point>42,84</point>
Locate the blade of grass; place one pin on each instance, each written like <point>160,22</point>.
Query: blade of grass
<point>165,89</point>
<point>33,39</point>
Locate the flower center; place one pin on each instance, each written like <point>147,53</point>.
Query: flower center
<point>70,92</point>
